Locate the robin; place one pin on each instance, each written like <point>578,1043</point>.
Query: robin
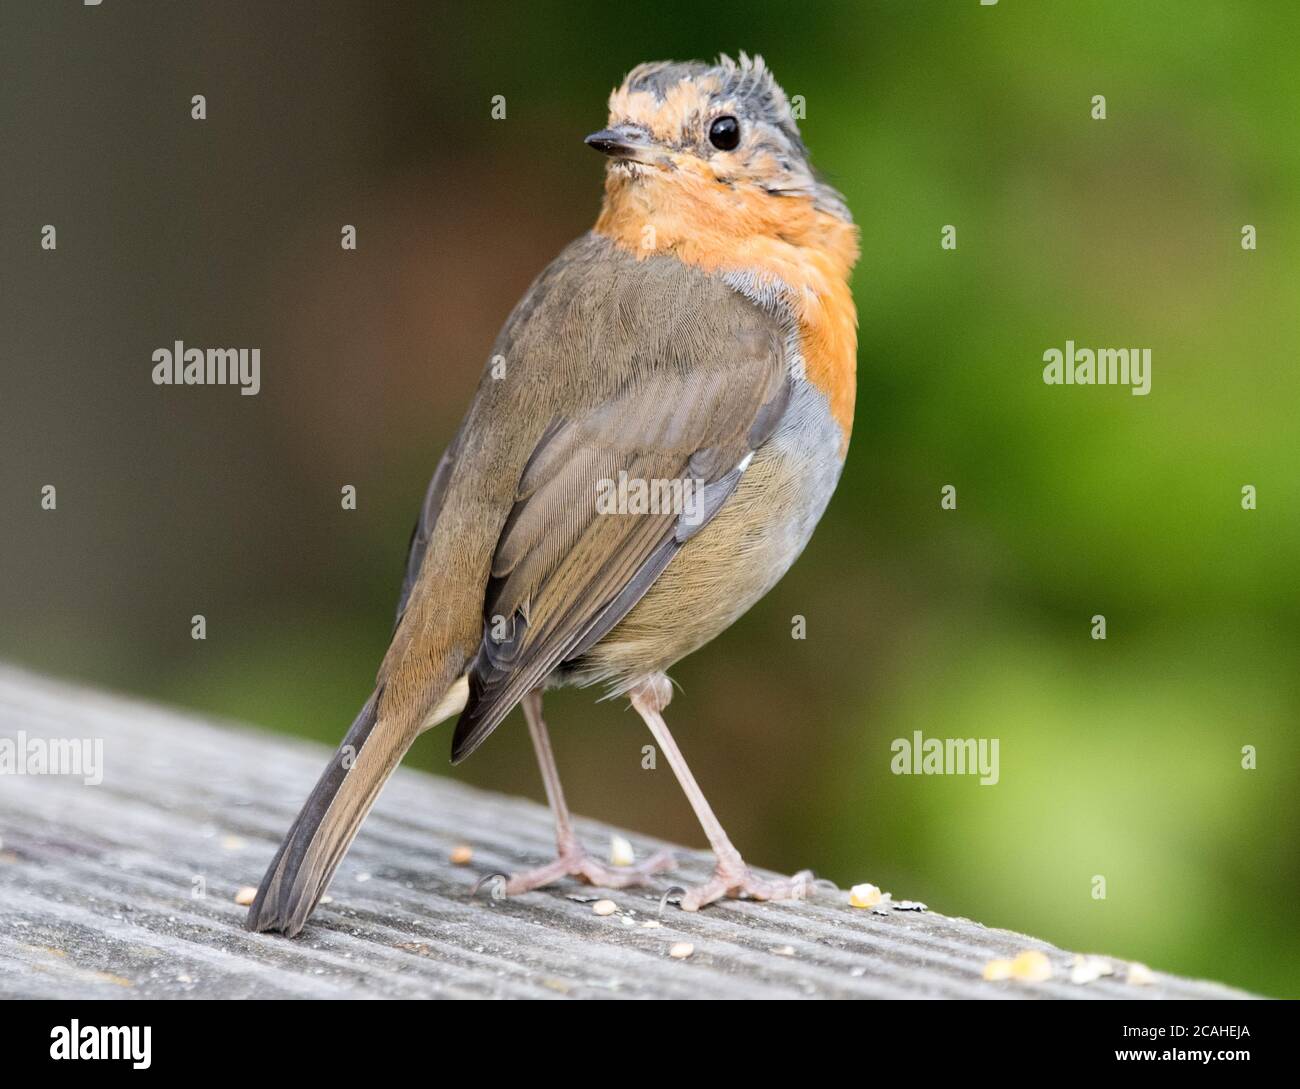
<point>697,346</point>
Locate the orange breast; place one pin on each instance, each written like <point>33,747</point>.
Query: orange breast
<point>786,240</point>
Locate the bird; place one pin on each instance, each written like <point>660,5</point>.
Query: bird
<point>700,341</point>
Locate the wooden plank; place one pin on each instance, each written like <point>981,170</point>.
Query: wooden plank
<point>127,889</point>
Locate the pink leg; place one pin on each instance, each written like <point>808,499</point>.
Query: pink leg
<point>571,859</point>
<point>731,877</point>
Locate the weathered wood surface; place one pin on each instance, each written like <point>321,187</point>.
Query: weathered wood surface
<point>96,892</point>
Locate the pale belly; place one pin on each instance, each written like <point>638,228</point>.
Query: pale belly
<point>735,559</point>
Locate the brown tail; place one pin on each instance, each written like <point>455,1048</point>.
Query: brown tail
<point>315,844</point>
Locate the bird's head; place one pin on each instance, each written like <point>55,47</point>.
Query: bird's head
<point>721,134</point>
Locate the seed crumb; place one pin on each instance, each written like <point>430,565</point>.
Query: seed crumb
<point>866,896</point>
<point>1085,969</point>
<point>1031,966</point>
<point>1139,975</point>
<point>620,851</point>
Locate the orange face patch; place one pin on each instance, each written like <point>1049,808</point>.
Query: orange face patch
<point>667,119</point>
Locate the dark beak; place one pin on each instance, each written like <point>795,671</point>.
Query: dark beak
<point>620,142</point>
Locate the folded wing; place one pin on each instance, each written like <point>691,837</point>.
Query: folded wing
<point>606,500</point>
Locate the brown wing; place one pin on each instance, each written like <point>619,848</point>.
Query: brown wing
<point>567,569</point>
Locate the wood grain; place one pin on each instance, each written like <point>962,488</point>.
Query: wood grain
<point>99,892</point>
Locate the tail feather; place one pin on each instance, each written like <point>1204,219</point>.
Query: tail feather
<point>301,870</point>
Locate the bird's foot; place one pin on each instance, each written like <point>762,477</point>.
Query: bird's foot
<point>573,861</point>
<point>735,879</point>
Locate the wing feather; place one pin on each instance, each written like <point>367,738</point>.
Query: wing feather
<point>565,572</point>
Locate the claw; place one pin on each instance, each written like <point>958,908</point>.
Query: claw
<point>498,885</point>
<point>680,890</point>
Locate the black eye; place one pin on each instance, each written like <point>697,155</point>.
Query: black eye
<point>724,133</point>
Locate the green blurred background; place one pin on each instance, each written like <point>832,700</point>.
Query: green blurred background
<point>1119,758</point>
